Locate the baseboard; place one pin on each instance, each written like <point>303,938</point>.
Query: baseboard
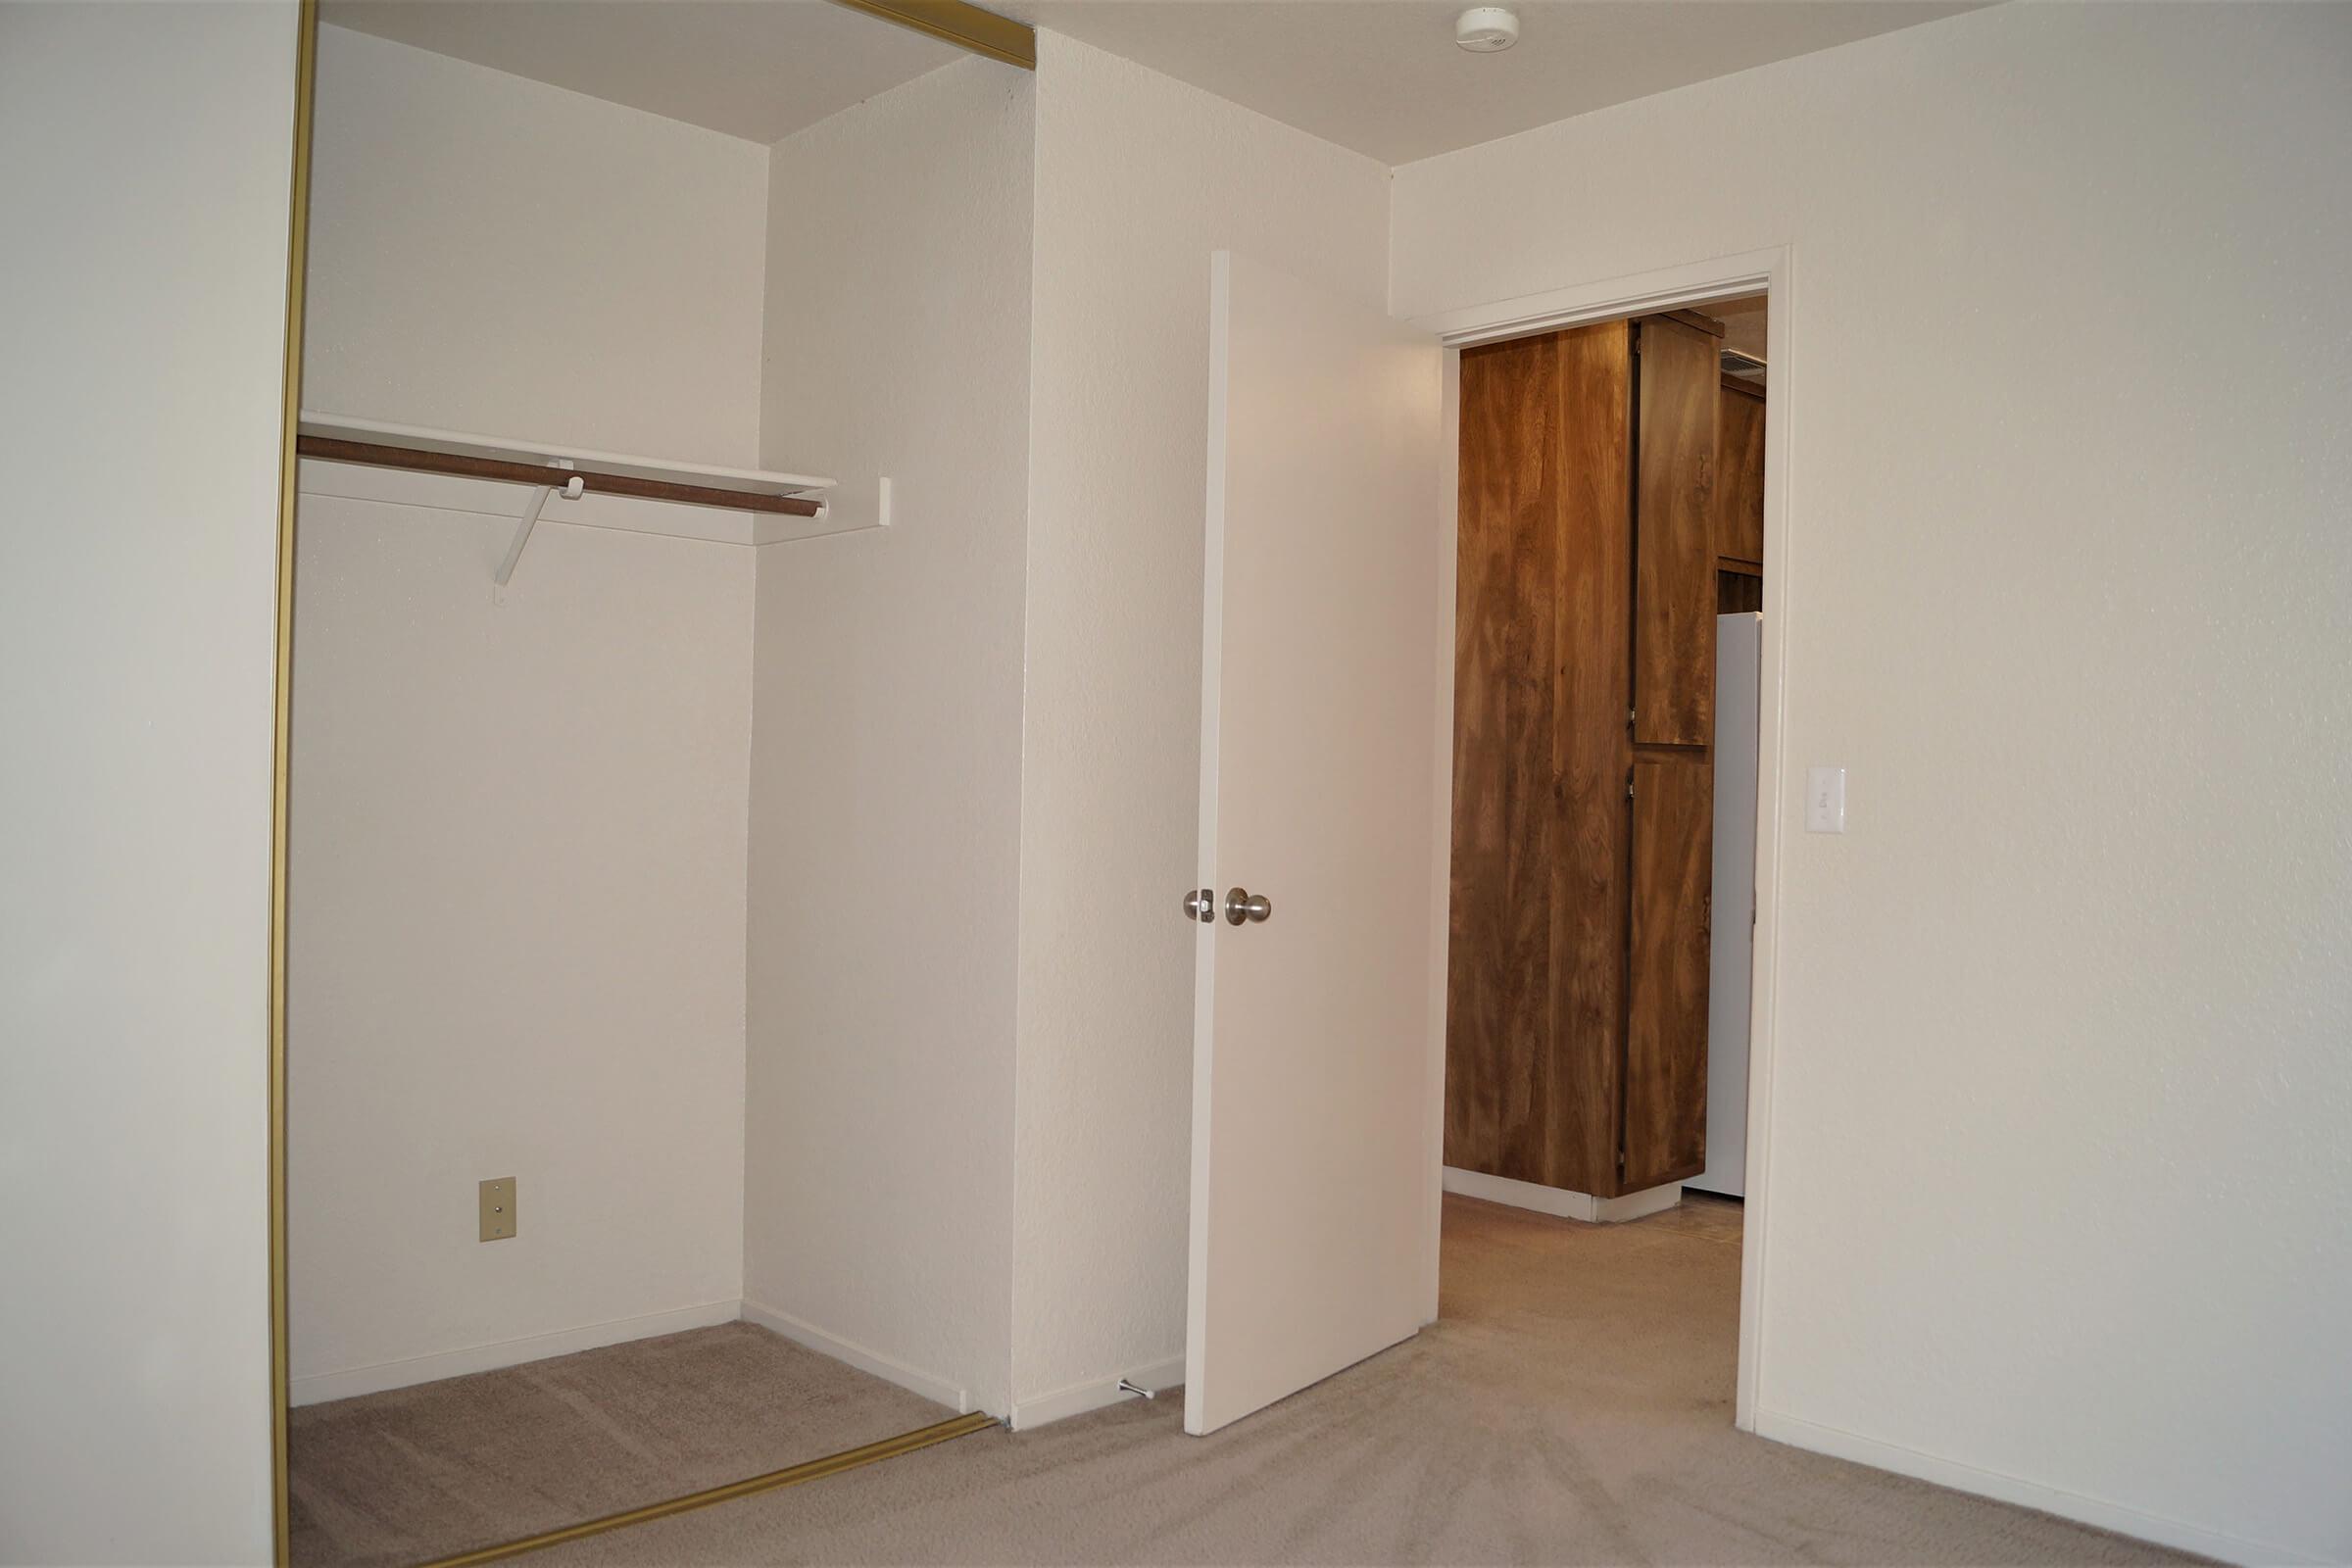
<point>2093,1511</point>
<point>1559,1200</point>
<point>1093,1394</point>
<point>937,1390</point>
<point>1638,1205</point>
<point>320,1386</point>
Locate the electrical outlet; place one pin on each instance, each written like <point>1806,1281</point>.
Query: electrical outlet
<point>498,1208</point>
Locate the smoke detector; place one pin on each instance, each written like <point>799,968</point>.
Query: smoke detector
<point>1483,29</point>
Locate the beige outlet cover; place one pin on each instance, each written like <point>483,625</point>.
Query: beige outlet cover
<point>498,1208</point>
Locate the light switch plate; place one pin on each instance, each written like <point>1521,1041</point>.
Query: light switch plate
<point>1825,799</point>
<point>498,1208</point>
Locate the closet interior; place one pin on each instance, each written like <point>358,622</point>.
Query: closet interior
<point>1611,512</point>
<point>584,1147</point>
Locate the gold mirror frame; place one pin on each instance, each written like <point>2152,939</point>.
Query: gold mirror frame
<point>298,243</point>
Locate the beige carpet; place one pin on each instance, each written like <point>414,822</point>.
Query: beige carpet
<point>419,1473</point>
<point>1573,1406</point>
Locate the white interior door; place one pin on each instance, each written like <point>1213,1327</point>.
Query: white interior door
<point>1312,1171</point>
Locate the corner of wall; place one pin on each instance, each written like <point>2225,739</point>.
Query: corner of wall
<point>886,764</point>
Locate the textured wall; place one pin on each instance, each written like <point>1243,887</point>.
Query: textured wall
<point>145,251</point>
<point>494,253</point>
<point>886,775</point>
<point>2061,1186</point>
<point>1139,178</point>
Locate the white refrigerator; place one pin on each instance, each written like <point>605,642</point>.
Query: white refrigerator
<point>1738,647</point>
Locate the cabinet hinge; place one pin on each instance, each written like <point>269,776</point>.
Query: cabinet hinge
<point>1629,784</point>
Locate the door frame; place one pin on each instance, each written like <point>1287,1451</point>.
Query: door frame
<point>1769,272</point>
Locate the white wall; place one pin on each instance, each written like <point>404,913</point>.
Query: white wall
<point>2061,1189</point>
<point>886,774</point>
<point>519,831</point>
<point>498,254</point>
<point>1139,178</point>
<point>140,434</point>
<point>517,938</point>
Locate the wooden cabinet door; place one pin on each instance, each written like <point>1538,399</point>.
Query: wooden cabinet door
<point>1590,753</point>
<point>1674,535</point>
<point>1499,966</point>
<point>1739,474</point>
<point>1535,971</point>
<point>1666,1013</point>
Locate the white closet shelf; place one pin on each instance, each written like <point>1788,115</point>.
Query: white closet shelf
<point>375,460</point>
<point>544,453</point>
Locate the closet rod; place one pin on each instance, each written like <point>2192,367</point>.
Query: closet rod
<point>328,449</point>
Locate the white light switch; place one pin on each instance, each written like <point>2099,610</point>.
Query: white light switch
<point>1825,799</point>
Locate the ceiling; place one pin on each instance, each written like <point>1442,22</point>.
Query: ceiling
<point>755,68</point>
<point>1382,76</point>
<point>1385,77</point>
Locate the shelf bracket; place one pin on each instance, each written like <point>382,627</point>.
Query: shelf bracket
<point>529,519</point>
<point>842,514</point>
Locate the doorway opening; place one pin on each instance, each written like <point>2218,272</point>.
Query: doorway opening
<point>1608,684</point>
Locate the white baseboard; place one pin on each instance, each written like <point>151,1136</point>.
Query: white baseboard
<point>2094,1511</point>
<point>1638,1205</point>
<point>1093,1394</point>
<point>937,1390</point>
<point>320,1386</point>
<point>1559,1200</point>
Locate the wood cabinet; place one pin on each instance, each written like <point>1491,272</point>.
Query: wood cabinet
<point>1739,486</point>
<point>1584,701</point>
<point>1507,576</point>
<point>1667,967</point>
<point>1675,389</point>
<point>1740,497</point>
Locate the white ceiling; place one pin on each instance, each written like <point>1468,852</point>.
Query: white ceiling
<point>1385,77</point>
<point>755,68</point>
<point>1382,76</point>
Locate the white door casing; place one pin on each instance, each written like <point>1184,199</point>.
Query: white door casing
<point>1320,691</point>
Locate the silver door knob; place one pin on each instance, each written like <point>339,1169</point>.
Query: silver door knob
<point>1243,905</point>
<point>1202,904</point>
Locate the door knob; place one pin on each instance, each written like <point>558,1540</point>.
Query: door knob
<point>1243,905</point>
<point>1202,904</point>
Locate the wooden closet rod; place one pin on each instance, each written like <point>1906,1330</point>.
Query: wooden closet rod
<point>332,449</point>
